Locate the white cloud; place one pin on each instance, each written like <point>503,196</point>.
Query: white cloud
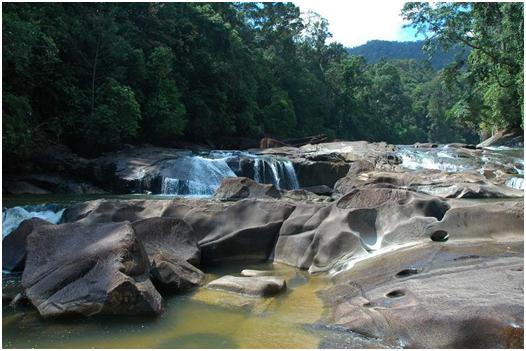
<point>353,23</point>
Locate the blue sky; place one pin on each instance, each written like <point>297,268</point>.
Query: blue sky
<point>353,23</point>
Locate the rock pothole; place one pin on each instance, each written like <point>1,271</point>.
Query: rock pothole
<point>406,273</point>
<point>440,236</point>
<point>395,294</point>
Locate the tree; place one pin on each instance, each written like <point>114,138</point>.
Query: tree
<point>495,33</point>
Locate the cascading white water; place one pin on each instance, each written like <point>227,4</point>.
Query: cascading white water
<point>201,175</point>
<point>194,175</point>
<point>509,160</point>
<point>515,182</point>
<point>278,172</point>
<point>12,217</point>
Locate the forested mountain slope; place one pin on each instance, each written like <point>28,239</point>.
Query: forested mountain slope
<point>376,50</point>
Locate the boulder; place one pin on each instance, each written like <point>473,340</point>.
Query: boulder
<point>245,231</point>
<point>365,220</point>
<point>319,189</point>
<point>14,245</point>
<point>174,275</point>
<point>498,221</point>
<point>315,173</point>
<point>173,238</point>
<point>434,295</point>
<point>432,182</point>
<point>253,286</point>
<point>171,246</point>
<point>88,269</point>
<point>237,188</point>
<point>256,273</point>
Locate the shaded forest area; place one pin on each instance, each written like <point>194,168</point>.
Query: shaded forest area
<point>93,76</point>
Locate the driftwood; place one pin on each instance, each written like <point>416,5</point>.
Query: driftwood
<point>296,142</point>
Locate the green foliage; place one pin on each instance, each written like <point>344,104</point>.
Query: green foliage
<point>115,118</point>
<point>495,33</point>
<point>17,126</point>
<point>95,75</point>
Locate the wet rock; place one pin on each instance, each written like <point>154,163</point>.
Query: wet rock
<point>237,188</point>
<point>88,269</point>
<point>425,145</point>
<point>256,273</point>
<point>14,245</point>
<point>254,286</point>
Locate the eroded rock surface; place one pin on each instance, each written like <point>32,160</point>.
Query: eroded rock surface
<point>88,269</point>
<point>435,295</point>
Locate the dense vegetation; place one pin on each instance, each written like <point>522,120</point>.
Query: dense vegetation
<point>96,75</point>
<point>377,50</point>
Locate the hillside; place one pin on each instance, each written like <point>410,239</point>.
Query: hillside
<point>375,50</point>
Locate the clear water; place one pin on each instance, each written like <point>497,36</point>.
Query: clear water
<point>201,319</point>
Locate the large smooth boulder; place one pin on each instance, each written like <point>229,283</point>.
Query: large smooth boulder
<point>245,231</point>
<point>237,188</point>
<point>435,295</point>
<point>319,238</point>
<point>88,269</point>
<point>432,182</point>
<point>253,286</point>
<point>171,246</point>
<point>174,275</point>
<point>172,237</point>
<point>14,245</point>
<point>497,221</point>
<point>315,173</point>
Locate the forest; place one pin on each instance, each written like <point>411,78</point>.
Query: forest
<point>377,50</point>
<point>94,76</point>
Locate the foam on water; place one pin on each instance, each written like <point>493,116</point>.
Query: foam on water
<point>12,217</point>
<point>450,160</point>
<point>201,175</point>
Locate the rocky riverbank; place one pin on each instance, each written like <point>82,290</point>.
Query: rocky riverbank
<point>416,257</point>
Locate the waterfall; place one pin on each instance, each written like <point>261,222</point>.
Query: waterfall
<point>275,171</point>
<point>515,182</point>
<point>202,174</point>
<point>12,217</point>
<point>194,175</point>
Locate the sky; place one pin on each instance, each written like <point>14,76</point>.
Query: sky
<point>353,23</point>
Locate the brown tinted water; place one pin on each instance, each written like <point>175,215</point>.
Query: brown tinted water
<point>201,319</point>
